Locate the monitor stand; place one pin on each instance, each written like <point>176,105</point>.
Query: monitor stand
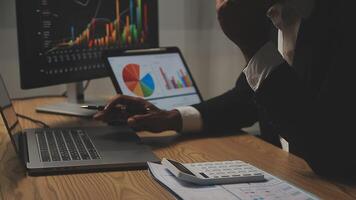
<point>75,98</point>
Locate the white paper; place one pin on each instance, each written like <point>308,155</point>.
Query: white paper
<point>274,188</point>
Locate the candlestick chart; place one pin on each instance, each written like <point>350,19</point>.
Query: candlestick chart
<point>61,39</point>
<point>126,26</point>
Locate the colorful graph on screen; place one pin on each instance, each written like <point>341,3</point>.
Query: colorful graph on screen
<point>182,80</point>
<point>63,40</point>
<point>129,28</point>
<point>136,82</point>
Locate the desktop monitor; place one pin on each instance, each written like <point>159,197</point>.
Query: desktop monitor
<point>62,41</point>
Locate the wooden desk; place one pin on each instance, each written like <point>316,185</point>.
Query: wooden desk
<point>14,184</point>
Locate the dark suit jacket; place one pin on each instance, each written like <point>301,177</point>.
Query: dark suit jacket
<point>311,103</point>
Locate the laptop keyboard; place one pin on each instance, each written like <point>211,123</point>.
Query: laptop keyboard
<point>65,145</point>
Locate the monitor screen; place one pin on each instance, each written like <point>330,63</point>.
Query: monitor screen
<point>62,41</point>
<point>162,79</point>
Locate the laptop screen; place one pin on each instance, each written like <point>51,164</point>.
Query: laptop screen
<point>163,79</point>
<point>9,116</point>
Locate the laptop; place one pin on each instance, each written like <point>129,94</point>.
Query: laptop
<point>160,76</point>
<point>60,150</point>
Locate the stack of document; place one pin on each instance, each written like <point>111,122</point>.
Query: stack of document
<point>273,188</point>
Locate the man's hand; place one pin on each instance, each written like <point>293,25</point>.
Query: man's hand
<point>245,23</point>
<point>139,114</point>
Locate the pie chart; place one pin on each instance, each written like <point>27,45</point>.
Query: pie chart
<point>140,85</point>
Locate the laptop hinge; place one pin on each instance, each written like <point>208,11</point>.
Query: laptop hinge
<point>23,151</point>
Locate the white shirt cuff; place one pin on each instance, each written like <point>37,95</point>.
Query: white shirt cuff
<point>262,64</point>
<point>191,119</point>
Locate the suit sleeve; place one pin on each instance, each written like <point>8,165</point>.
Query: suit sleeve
<point>230,111</point>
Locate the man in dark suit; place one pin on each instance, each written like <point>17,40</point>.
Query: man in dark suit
<point>303,94</point>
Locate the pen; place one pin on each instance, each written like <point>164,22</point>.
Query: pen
<point>93,107</point>
<point>101,108</point>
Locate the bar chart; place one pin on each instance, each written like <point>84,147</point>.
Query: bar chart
<point>180,80</point>
<point>69,37</point>
<point>130,27</point>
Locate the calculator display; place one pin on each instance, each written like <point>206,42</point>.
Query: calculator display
<point>181,167</point>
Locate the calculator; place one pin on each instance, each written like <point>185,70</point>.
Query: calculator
<point>211,173</point>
